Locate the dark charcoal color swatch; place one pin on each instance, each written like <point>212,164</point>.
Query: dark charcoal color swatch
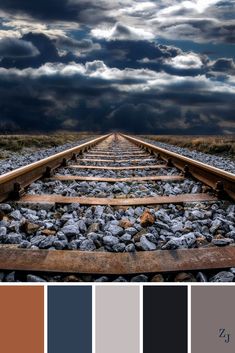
<point>69,319</point>
<point>165,319</point>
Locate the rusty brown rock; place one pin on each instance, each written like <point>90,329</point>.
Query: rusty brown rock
<point>48,232</point>
<point>147,219</point>
<point>184,277</point>
<point>201,241</point>
<point>72,278</point>
<point>157,278</point>
<point>30,228</point>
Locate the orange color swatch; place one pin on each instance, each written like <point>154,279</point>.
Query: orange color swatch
<point>22,319</point>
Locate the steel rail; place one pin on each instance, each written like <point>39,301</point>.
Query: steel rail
<point>13,183</point>
<point>223,182</point>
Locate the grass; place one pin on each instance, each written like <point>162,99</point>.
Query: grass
<point>18,143</point>
<point>218,145</point>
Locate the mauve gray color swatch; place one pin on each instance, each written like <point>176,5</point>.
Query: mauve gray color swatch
<point>213,319</point>
<point>69,319</point>
<point>117,319</point>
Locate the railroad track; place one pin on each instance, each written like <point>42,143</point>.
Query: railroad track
<point>133,185</point>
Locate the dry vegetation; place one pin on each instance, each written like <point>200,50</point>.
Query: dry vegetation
<point>18,143</point>
<point>219,145</point>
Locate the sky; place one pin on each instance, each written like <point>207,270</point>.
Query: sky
<point>156,67</point>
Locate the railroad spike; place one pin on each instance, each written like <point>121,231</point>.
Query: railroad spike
<point>186,171</point>
<point>74,157</point>
<point>17,192</point>
<point>48,173</point>
<point>169,162</point>
<point>219,189</point>
<point>64,162</point>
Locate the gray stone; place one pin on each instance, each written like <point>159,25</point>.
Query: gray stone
<point>102,279</point>
<point>231,234</point>
<point>215,226</point>
<point>131,230</point>
<point>3,231</point>
<point>120,279</point>
<point>185,241</point>
<point>33,278</point>
<point>87,245</point>
<point>61,236</point>
<point>115,230</point>
<point>47,243</point>
<point>74,244</point>
<point>82,226</point>
<point>177,227</point>
<point>223,276</point>
<point>13,238</point>
<point>119,247</point>
<point>110,240</point>
<point>25,244</point>
<point>151,237</point>
<point>16,215</point>
<point>93,236</point>
<point>130,248</point>
<point>35,241</point>
<point>60,244</point>
<point>14,226</point>
<point>201,277</point>
<point>10,277</point>
<point>147,245</point>
<point>222,242</point>
<point>32,218</point>
<point>139,278</point>
<point>125,237</point>
<point>163,226</point>
<point>98,211</point>
<point>70,230</point>
<point>5,207</point>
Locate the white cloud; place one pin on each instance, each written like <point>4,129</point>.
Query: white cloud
<point>127,80</point>
<point>122,32</point>
<point>186,61</point>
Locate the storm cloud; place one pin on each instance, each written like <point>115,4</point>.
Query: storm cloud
<point>119,65</point>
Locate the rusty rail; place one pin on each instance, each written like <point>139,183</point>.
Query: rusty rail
<point>221,181</point>
<point>13,183</point>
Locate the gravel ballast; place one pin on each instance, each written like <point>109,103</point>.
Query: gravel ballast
<point>18,160</point>
<point>213,160</point>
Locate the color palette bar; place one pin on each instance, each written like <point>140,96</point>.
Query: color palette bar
<point>69,319</point>
<point>116,318</point>
<point>213,319</point>
<point>21,319</point>
<point>165,319</point>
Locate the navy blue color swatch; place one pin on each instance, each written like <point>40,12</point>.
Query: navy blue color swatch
<point>69,319</point>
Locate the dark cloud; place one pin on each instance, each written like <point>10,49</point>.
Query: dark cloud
<point>98,65</point>
<point>56,10</point>
<point>45,48</point>
<point>14,48</point>
<point>94,97</point>
<point>224,65</point>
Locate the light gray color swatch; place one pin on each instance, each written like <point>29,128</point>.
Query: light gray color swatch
<point>117,319</point>
<point>213,319</point>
